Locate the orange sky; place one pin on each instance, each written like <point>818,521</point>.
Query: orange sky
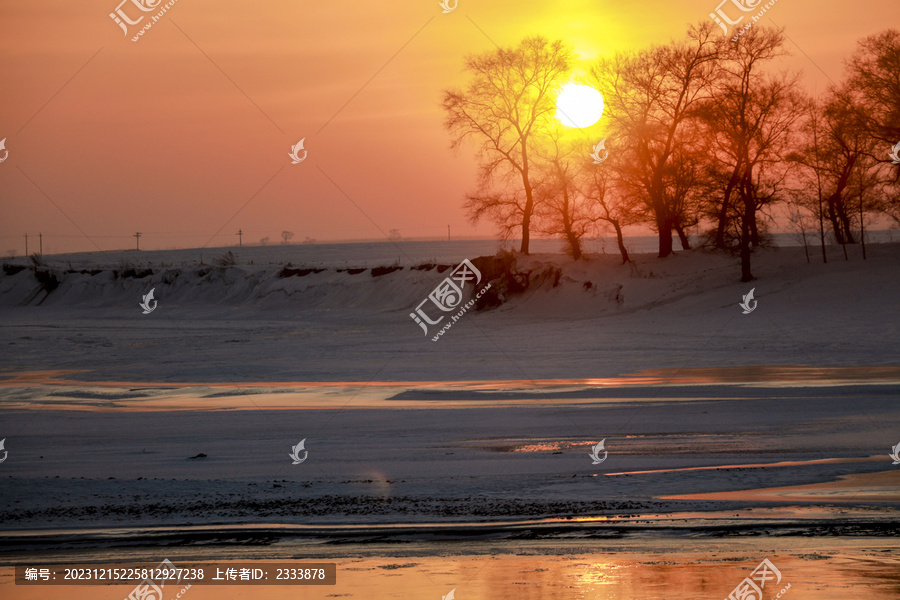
<point>173,134</point>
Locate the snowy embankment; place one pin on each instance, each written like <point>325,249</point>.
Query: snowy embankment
<point>551,317</point>
<point>58,284</point>
<point>597,286</point>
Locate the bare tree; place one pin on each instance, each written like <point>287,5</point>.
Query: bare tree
<point>840,149</point>
<point>610,204</point>
<point>562,210</point>
<point>752,117</point>
<point>810,175</point>
<point>652,98</point>
<point>506,109</point>
<point>846,142</point>
<point>736,113</point>
<point>874,74</point>
<point>874,71</point>
<point>802,221</point>
<point>682,189</point>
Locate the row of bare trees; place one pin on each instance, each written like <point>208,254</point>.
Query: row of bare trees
<point>702,132</point>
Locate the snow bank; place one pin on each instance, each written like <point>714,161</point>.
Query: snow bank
<point>536,283</point>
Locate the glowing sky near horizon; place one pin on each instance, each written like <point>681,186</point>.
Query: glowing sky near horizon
<point>186,133</point>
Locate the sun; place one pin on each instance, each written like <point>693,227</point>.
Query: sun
<point>579,106</point>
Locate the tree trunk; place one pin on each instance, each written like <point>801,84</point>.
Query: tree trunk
<point>572,239</point>
<point>621,241</point>
<point>754,229</point>
<point>822,227</point>
<point>723,212</point>
<point>719,241</point>
<point>529,203</point>
<point>747,216</point>
<point>665,241</point>
<point>845,225</point>
<point>574,246</point>
<point>837,211</point>
<point>805,242</point>
<point>748,196</point>
<point>526,225</point>
<point>685,242</point>
<point>862,225</point>
<point>661,213</point>
<point>746,274</point>
<point>833,219</point>
<point>665,234</point>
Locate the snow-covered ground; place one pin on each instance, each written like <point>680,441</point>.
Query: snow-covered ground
<point>188,414</point>
<point>245,323</point>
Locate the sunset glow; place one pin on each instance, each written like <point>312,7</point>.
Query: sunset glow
<point>189,123</point>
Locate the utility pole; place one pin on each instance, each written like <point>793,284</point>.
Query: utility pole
<point>26,244</point>
<point>448,233</point>
<point>137,240</point>
<point>240,235</point>
<point>41,240</point>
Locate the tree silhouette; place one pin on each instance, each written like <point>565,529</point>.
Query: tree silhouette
<point>735,116</point>
<point>751,118</point>
<point>874,71</point>
<point>609,202</point>
<point>652,97</point>
<point>562,210</point>
<point>845,145</point>
<point>506,109</point>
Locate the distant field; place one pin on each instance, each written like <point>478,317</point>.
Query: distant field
<point>370,254</point>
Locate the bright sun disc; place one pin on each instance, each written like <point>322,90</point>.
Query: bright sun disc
<point>579,106</point>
